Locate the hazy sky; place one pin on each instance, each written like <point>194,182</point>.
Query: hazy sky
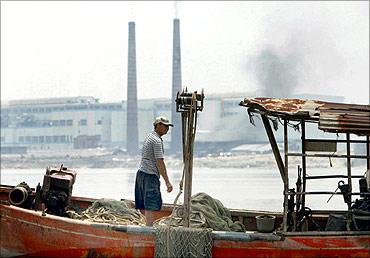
<point>59,49</point>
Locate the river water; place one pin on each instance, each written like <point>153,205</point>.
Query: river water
<point>250,188</point>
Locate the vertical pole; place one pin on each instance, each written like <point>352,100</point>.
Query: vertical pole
<point>303,203</point>
<point>188,163</point>
<point>368,152</point>
<point>183,127</point>
<point>348,196</point>
<point>187,194</point>
<point>286,181</point>
<point>349,170</point>
<point>188,106</point>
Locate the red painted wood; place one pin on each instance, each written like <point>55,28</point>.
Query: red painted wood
<point>309,246</point>
<point>28,232</point>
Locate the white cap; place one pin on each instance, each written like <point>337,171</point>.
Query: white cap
<point>162,120</point>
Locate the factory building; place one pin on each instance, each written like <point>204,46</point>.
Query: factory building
<point>84,122</point>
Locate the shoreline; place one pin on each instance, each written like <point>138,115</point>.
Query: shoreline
<point>101,160</point>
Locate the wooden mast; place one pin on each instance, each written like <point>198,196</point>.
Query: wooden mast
<point>188,104</point>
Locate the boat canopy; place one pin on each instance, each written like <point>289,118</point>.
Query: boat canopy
<point>331,117</point>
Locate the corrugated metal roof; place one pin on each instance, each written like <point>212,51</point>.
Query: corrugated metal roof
<point>332,117</point>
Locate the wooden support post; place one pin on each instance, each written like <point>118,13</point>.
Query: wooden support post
<point>286,181</point>
<point>368,152</point>
<point>189,143</point>
<point>304,168</point>
<point>188,104</point>
<point>349,196</point>
<point>349,173</point>
<point>274,146</point>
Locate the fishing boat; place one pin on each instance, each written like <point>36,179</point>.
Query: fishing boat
<point>298,231</point>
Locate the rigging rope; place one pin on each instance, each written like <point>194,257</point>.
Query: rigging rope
<point>110,211</point>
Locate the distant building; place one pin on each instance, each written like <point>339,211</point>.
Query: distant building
<point>43,124</point>
<point>84,122</point>
<point>13,149</point>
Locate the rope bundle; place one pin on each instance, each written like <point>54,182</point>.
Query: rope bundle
<point>110,211</point>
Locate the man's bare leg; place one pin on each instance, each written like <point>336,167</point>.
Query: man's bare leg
<point>149,215</point>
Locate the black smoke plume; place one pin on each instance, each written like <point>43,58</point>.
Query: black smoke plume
<point>276,74</point>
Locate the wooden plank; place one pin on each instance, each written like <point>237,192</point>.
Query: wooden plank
<point>274,146</point>
<point>322,146</point>
<point>316,155</point>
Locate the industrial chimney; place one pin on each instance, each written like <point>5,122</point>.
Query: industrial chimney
<point>176,142</point>
<point>131,111</point>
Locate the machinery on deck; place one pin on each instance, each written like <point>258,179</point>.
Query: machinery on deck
<point>188,104</point>
<point>54,195</point>
<point>21,196</point>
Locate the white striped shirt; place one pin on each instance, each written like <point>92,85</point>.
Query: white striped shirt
<point>152,150</point>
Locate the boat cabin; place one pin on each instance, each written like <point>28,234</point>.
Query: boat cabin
<point>349,124</point>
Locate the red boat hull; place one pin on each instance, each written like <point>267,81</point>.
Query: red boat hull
<point>296,247</point>
<point>26,232</point>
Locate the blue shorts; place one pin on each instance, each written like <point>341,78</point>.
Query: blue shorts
<point>147,192</point>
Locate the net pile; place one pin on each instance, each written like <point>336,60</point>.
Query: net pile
<point>110,211</point>
<point>207,214</point>
<point>183,242</point>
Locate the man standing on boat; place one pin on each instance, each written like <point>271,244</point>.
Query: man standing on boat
<point>147,186</point>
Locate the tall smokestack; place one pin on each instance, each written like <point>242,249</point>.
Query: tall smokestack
<point>132,138</point>
<point>176,142</point>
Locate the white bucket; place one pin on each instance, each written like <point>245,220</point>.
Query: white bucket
<point>265,223</point>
